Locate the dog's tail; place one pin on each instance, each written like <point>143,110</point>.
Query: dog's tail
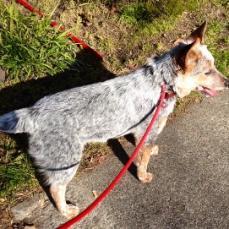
<point>15,121</point>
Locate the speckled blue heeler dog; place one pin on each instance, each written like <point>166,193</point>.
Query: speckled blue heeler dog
<point>60,125</point>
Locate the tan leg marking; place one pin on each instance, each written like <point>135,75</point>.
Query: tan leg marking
<point>161,124</point>
<point>142,163</point>
<point>154,150</point>
<point>58,194</point>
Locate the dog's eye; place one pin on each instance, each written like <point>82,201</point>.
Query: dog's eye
<point>208,73</point>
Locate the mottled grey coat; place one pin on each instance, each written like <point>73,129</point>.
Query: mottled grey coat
<point>60,125</point>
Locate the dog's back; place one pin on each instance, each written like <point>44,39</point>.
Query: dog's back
<point>115,105</point>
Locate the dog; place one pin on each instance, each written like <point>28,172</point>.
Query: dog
<point>60,125</point>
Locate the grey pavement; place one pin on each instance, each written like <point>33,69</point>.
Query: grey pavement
<point>190,188</point>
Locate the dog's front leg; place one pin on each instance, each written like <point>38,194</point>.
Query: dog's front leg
<point>149,150</point>
<point>142,162</point>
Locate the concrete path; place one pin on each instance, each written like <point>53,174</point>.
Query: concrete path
<point>190,188</point>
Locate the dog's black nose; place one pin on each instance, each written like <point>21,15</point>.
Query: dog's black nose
<point>226,82</point>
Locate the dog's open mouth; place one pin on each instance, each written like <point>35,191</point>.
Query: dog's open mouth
<point>207,91</point>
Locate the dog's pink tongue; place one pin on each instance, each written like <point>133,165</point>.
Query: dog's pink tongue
<point>209,92</point>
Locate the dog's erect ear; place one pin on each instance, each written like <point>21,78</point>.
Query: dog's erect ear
<point>196,34</point>
<point>192,56</point>
<point>188,56</point>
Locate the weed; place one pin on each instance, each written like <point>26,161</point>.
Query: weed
<point>29,47</point>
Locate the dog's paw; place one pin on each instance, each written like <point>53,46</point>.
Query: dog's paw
<point>146,177</point>
<point>70,211</point>
<point>154,150</point>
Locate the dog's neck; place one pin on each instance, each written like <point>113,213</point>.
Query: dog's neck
<point>161,69</point>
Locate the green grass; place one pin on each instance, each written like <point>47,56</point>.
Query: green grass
<point>160,17</point>
<point>218,43</point>
<point>138,13</point>
<point>16,172</point>
<point>16,176</point>
<point>154,17</point>
<point>29,47</point>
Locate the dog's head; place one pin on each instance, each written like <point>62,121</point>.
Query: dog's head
<point>197,68</point>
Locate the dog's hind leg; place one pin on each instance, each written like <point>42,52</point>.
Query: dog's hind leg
<point>142,163</point>
<point>57,192</point>
<point>58,181</point>
<point>57,156</point>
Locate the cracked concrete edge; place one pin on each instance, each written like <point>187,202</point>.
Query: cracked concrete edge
<point>25,209</point>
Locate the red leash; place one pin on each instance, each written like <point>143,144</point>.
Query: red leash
<point>104,194</point>
<point>54,24</point>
